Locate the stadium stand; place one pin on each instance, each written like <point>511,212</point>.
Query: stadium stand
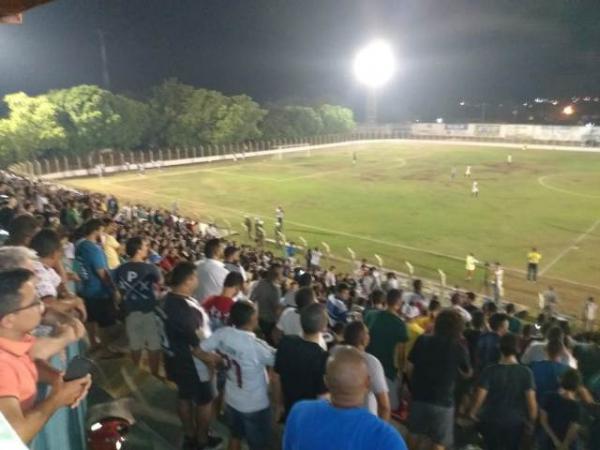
<point>453,368</point>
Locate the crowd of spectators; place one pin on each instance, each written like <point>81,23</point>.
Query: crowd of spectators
<point>256,337</point>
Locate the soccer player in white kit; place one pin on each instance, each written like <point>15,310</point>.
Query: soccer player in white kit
<point>246,357</point>
<point>468,172</point>
<point>279,215</point>
<point>475,189</point>
<point>509,159</point>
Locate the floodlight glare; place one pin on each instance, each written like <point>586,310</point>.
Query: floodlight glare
<point>374,65</point>
<point>568,110</point>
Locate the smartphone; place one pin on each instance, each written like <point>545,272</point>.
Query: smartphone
<point>77,368</point>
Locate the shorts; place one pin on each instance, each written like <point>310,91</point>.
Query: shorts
<point>190,388</point>
<point>255,427</point>
<point>433,421</point>
<point>101,311</point>
<point>394,394</point>
<point>142,331</point>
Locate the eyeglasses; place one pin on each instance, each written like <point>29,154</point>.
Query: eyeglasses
<point>36,303</point>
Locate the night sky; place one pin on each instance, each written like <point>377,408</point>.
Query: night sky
<point>301,50</point>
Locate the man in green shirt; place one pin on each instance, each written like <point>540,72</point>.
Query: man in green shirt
<point>514,324</point>
<point>388,341</point>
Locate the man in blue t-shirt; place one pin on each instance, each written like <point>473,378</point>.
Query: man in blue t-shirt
<point>95,285</point>
<point>343,423</point>
<point>137,281</point>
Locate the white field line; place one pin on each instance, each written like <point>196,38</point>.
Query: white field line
<point>299,224</point>
<point>580,238</point>
<point>543,183</point>
<point>342,233</point>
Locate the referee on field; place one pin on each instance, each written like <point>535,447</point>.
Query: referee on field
<point>533,260</point>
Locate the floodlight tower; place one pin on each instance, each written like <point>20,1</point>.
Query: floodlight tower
<point>374,66</point>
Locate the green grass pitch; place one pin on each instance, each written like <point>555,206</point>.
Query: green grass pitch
<point>400,202</point>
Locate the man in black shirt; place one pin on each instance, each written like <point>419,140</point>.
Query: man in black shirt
<point>137,281</point>
<point>300,361</point>
<point>183,323</point>
<point>435,362</point>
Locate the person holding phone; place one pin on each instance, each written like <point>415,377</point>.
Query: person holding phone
<point>20,312</point>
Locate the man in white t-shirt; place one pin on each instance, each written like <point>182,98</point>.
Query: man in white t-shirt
<point>289,321</point>
<point>211,271</point>
<point>498,282</point>
<point>315,258</point>
<point>589,314</point>
<point>246,358</point>
<point>470,265</point>
<point>357,335</point>
<point>468,172</point>
<point>330,278</point>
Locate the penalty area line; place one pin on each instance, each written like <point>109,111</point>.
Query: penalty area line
<point>562,254</point>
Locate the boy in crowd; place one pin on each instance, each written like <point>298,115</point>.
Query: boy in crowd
<point>137,282</point>
<point>246,357</point>
<point>218,307</point>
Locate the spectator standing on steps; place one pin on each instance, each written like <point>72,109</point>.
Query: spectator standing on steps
<point>435,363</point>
<point>505,402</point>
<point>246,357</point>
<point>389,336</point>
<point>138,282</point>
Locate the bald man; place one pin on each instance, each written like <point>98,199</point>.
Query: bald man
<point>342,422</point>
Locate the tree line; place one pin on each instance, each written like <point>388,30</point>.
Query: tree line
<point>86,118</point>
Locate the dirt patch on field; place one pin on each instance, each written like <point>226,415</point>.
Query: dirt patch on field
<point>421,175</point>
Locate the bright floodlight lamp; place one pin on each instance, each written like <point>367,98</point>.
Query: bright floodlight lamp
<point>374,66</point>
<point>568,110</point>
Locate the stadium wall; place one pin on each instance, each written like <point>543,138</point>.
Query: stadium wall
<point>566,138</point>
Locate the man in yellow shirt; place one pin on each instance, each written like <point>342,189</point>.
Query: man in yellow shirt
<point>533,260</point>
<point>110,245</point>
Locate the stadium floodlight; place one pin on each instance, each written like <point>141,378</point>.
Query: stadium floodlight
<point>374,66</point>
<point>568,110</point>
